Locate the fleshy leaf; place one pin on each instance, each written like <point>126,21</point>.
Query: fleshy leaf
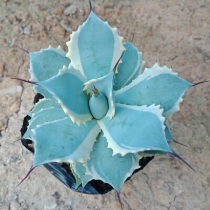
<point>111,169</point>
<point>157,85</point>
<point>67,88</point>
<point>95,48</point>
<point>131,66</point>
<point>64,141</point>
<point>82,173</point>
<point>44,64</point>
<point>134,129</point>
<point>104,85</point>
<point>42,117</point>
<point>43,104</point>
<point>78,180</point>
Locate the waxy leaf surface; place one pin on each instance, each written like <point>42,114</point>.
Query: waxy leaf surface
<point>44,103</point>
<point>135,129</point>
<point>44,64</point>
<point>130,67</point>
<point>62,140</point>
<point>157,85</point>
<point>95,48</point>
<point>42,117</point>
<point>67,88</point>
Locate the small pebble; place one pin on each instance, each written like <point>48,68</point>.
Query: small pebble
<point>102,12</point>
<point>58,11</point>
<point>25,29</point>
<point>12,196</point>
<point>65,23</point>
<point>14,205</point>
<point>87,11</point>
<point>1,125</point>
<point>108,5</point>
<point>14,108</point>
<point>41,7</point>
<point>71,10</point>
<point>66,4</point>
<point>17,3</point>
<point>3,41</point>
<point>1,68</point>
<point>26,16</point>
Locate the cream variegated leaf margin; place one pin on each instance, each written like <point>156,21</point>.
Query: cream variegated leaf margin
<point>75,117</point>
<point>152,73</point>
<point>66,150</point>
<point>57,50</point>
<point>116,145</point>
<point>74,51</point>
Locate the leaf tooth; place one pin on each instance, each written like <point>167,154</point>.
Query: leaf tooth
<point>164,127</point>
<point>85,88</point>
<point>33,130</point>
<point>158,106</point>
<point>78,123</point>
<point>71,35</point>
<point>116,71</point>
<point>68,55</point>
<point>111,145</point>
<point>156,64</point>
<point>165,67</point>
<point>64,67</point>
<point>114,29</point>
<point>88,158</point>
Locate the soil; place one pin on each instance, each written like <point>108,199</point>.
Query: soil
<point>175,33</point>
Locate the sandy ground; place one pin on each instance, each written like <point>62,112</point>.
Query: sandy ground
<point>175,32</point>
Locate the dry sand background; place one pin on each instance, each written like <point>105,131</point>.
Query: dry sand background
<point>175,32</point>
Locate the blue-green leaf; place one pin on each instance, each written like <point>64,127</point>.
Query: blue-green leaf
<point>108,168</point>
<point>77,178</point>
<point>134,129</point>
<point>67,88</point>
<point>130,67</point>
<point>157,85</point>
<point>43,104</point>
<point>42,117</point>
<point>63,141</point>
<point>44,64</point>
<point>82,172</point>
<point>95,48</point>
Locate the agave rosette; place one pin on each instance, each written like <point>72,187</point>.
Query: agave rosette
<point>100,112</point>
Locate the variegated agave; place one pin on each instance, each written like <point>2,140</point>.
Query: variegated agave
<point>101,112</point>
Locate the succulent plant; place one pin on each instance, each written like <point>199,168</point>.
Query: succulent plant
<point>101,112</point>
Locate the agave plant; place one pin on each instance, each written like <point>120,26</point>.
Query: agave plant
<point>101,112</point>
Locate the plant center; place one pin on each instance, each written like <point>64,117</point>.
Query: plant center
<point>98,105</point>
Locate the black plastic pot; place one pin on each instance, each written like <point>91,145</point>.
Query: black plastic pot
<point>63,171</point>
